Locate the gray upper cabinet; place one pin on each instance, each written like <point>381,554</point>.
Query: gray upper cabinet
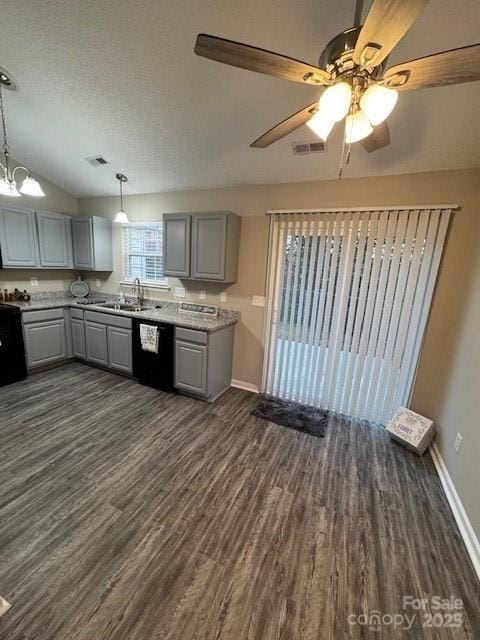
<point>54,240</point>
<point>202,246</point>
<point>18,238</point>
<point>92,243</point>
<point>176,244</point>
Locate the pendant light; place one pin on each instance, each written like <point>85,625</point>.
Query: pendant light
<point>8,184</point>
<point>121,216</point>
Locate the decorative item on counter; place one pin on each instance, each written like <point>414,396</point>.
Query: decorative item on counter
<point>79,288</point>
<point>15,296</point>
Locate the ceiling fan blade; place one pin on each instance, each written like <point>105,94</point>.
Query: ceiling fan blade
<point>438,70</point>
<point>260,60</point>
<point>386,24</point>
<point>379,138</point>
<point>285,127</point>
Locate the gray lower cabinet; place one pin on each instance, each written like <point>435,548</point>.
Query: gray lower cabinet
<point>45,337</point>
<point>92,243</point>
<point>203,361</point>
<point>119,349</point>
<point>18,238</point>
<point>54,240</point>
<point>78,338</point>
<point>96,343</point>
<point>191,367</point>
<point>201,246</point>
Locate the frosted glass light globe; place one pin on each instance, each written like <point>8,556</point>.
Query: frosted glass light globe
<point>335,101</point>
<point>122,218</point>
<point>357,127</point>
<point>321,124</point>
<point>378,102</point>
<point>31,187</point>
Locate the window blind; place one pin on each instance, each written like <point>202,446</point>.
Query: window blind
<point>349,295</point>
<point>143,253</point>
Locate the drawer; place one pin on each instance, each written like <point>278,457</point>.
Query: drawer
<point>41,316</point>
<point>191,335</point>
<point>76,313</point>
<point>108,318</point>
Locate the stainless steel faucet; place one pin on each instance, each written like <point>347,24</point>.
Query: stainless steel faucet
<point>138,291</point>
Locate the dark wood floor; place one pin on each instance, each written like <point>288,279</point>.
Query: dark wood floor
<point>128,514</point>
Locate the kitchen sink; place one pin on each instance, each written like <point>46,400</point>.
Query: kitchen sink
<point>117,306</point>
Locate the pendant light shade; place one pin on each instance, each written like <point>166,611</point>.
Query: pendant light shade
<point>357,127</point>
<point>31,187</point>
<point>378,102</point>
<point>335,101</point>
<point>321,124</point>
<point>121,217</point>
<point>8,188</point>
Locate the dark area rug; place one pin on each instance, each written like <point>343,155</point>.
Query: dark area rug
<point>293,415</point>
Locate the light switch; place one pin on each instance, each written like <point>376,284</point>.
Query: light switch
<point>34,282</point>
<point>180,292</point>
<point>223,296</point>
<point>258,301</point>
<point>98,283</point>
<point>202,295</point>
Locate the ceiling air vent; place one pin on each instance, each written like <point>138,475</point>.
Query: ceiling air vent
<point>96,161</point>
<point>302,148</point>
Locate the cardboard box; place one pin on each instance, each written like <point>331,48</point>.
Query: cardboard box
<point>412,430</point>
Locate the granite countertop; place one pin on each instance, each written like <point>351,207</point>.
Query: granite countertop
<point>168,313</point>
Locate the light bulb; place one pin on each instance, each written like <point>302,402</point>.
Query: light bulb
<point>357,127</point>
<point>9,188</point>
<point>377,103</point>
<point>335,101</point>
<point>321,124</point>
<point>31,187</point>
<point>122,218</point>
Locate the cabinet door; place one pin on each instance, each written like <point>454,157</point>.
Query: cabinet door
<point>18,238</point>
<point>54,240</point>
<point>209,235</point>
<point>96,343</point>
<point>120,349</point>
<point>176,244</point>
<point>78,338</point>
<point>45,342</point>
<point>191,367</point>
<point>82,234</point>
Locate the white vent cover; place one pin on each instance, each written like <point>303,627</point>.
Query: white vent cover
<point>302,148</point>
<point>96,161</point>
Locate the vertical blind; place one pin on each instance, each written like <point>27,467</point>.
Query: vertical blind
<point>349,295</point>
<point>143,253</point>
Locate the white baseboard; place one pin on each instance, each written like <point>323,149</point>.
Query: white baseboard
<point>246,386</point>
<point>466,530</point>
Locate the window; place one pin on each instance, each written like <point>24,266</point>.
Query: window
<point>143,253</point>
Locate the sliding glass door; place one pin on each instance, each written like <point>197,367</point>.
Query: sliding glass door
<point>349,294</point>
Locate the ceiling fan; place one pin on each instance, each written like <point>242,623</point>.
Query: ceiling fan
<point>352,67</point>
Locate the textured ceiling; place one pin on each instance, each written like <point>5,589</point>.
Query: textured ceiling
<point>119,78</point>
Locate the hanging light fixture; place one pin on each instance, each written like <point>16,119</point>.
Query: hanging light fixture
<point>8,184</point>
<point>357,127</point>
<point>121,216</point>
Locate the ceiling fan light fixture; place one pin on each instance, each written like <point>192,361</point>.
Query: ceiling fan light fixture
<point>335,101</point>
<point>31,187</point>
<point>357,127</point>
<point>378,102</point>
<point>321,124</point>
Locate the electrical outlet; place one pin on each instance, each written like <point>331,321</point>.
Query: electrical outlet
<point>458,442</point>
<point>202,295</point>
<point>98,283</point>
<point>223,296</point>
<point>180,292</point>
<point>34,282</point>
<point>258,301</point>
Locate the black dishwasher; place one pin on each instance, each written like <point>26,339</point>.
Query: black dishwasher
<point>12,353</point>
<point>154,369</point>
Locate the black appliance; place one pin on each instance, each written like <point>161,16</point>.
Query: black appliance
<point>12,354</point>
<point>154,369</point>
